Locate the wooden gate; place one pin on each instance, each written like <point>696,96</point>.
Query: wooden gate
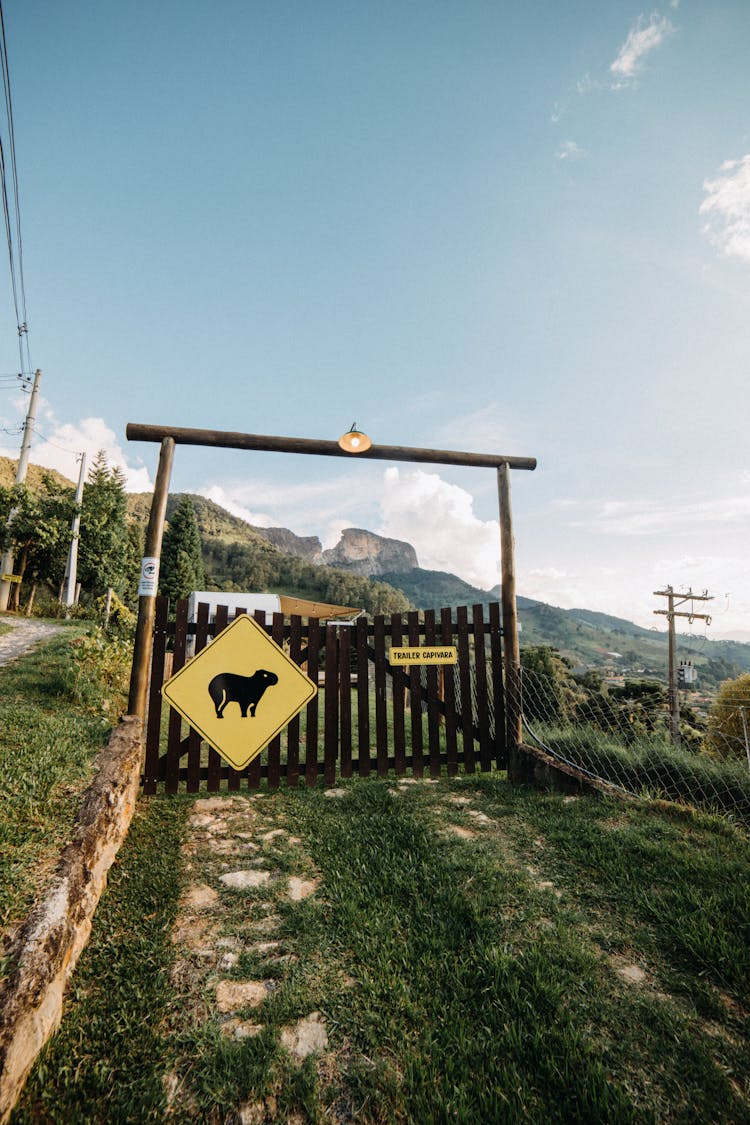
<point>368,716</point>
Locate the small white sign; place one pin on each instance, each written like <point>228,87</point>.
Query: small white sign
<point>149,582</point>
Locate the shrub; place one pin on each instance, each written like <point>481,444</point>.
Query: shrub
<point>101,672</point>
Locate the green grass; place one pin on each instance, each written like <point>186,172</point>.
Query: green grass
<point>656,768</point>
<point>474,977</point>
<point>105,1063</point>
<point>46,751</point>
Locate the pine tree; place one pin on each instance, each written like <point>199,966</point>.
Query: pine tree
<point>181,558</point>
<point>103,556</point>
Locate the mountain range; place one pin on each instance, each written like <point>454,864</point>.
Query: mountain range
<point>588,639</point>
<point>365,566</point>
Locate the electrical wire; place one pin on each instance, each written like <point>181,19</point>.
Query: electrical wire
<point>65,448</point>
<point>13,227</point>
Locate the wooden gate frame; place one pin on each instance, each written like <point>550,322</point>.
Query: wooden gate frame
<point>169,436</point>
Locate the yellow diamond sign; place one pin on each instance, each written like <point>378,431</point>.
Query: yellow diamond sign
<point>240,691</point>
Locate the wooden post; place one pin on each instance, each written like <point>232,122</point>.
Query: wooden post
<point>514,730</point>
<point>147,602</point>
<point>672,689</point>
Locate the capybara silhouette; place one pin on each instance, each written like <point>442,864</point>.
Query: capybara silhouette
<point>228,687</point>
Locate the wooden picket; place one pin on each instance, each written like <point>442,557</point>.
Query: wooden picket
<point>367,715</point>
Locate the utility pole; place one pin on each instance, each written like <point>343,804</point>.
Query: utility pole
<point>674,600</point>
<point>6,567</point>
<point>71,570</point>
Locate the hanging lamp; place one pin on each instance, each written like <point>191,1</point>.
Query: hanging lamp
<point>354,440</point>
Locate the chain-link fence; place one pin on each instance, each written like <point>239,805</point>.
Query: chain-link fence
<point>626,743</point>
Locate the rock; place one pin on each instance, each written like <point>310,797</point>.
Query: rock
<point>240,1029</point>
<point>219,804</point>
<point>631,973</point>
<point>300,889</point>
<point>241,880</point>
<point>203,820</point>
<point>367,554</point>
<point>305,1038</point>
<point>201,897</point>
<point>462,833</point>
<point>252,1113</point>
<point>232,995</point>
<point>307,547</point>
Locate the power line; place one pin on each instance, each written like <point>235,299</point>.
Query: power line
<point>13,225</point>
<point>49,441</point>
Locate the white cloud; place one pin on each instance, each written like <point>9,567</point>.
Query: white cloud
<point>57,445</point>
<point>727,208</point>
<point>491,429</point>
<point>331,534</point>
<point>225,499</point>
<point>438,519</point>
<point>587,84</point>
<point>569,150</point>
<point>652,517</point>
<point>642,39</point>
<point>307,506</point>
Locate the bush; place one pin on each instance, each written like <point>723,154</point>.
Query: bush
<point>101,672</point>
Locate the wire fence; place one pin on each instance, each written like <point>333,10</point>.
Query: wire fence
<point>626,743</point>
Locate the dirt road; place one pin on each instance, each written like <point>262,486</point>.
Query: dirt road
<point>26,633</point>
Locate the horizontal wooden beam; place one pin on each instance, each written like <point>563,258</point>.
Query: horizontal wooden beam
<point>230,440</point>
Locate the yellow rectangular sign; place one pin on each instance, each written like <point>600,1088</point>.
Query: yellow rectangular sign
<point>424,654</point>
<point>10,577</point>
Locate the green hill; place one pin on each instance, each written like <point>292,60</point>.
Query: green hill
<point>587,638</point>
<point>33,476</point>
<point>236,556</point>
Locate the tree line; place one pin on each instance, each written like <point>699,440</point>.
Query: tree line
<point>36,524</point>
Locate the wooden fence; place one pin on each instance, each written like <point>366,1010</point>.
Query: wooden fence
<point>368,716</point>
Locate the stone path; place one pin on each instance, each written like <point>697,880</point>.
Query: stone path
<point>26,633</point>
<point>239,864</point>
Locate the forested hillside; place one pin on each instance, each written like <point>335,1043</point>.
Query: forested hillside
<point>237,556</point>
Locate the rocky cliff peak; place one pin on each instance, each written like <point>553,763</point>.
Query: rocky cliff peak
<point>370,555</point>
<point>307,547</point>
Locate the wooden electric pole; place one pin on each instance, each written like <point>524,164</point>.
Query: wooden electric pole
<point>71,570</point>
<point>23,464</point>
<point>674,600</point>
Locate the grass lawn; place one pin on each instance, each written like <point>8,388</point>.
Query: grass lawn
<point>47,746</point>
<point>475,952</point>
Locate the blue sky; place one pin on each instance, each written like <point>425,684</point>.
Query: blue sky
<point>481,226</point>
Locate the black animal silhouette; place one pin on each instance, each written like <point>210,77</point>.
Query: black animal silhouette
<point>229,687</point>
